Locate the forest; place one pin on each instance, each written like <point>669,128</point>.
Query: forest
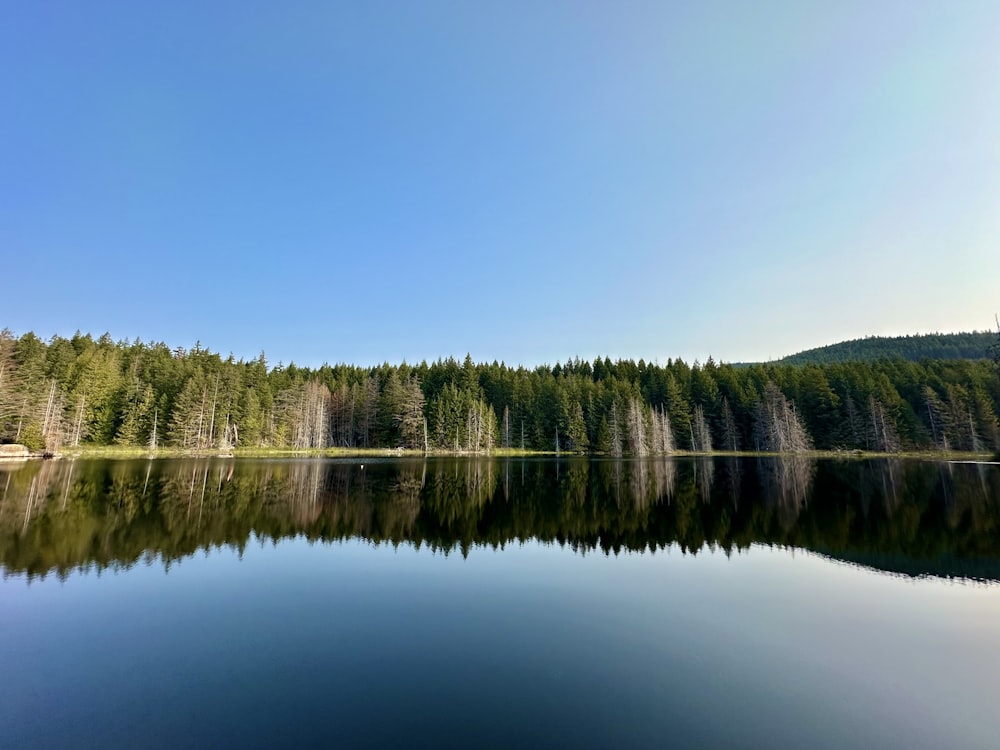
<point>974,345</point>
<point>72,392</point>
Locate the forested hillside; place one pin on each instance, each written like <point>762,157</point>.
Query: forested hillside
<point>975,345</point>
<point>70,392</point>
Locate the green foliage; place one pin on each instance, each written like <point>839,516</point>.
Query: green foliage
<point>975,345</point>
<point>102,392</point>
<point>32,437</point>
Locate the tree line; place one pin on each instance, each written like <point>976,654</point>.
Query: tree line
<point>68,392</point>
<point>974,345</point>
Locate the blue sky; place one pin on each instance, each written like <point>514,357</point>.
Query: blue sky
<point>526,182</point>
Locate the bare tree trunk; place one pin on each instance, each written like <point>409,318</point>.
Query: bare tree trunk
<point>657,432</point>
<point>211,427</point>
<point>20,420</point>
<point>152,437</point>
<point>79,421</point>
<point>637,437</point>
<point>885,437</point>
<point>778,427</point>
<point>52,421</point>
<point>201,420</point>
<point>666,432</point>
<point>977,445</point>
<point>701,437</point>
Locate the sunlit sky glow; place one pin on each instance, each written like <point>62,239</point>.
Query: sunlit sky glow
<point>521,181</point>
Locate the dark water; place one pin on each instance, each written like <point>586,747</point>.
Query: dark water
<point>726,603</point>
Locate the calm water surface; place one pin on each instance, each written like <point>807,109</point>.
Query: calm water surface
<point>727,603</point>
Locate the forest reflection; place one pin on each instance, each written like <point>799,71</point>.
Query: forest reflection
<point>907,517</point>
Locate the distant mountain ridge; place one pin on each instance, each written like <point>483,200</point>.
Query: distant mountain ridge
<point>945,565</point>
<point>974,345</point>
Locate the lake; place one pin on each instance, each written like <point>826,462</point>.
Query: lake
<point>499,603</point>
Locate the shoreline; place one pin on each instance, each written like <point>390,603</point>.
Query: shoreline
<point>110,452</point>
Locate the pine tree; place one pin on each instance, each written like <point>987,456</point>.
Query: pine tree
<point>615,430</point>
<point>576,429</point>
<point>137,419</point>
<point>188,424</point>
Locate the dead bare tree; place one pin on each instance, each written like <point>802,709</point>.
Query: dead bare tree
<point>663,437</point>
<point>52,420</point>
<point>883,428</point>
<point>777,426</point>
<point>310,417</point>
<point>701,436</point>
<point>638,438</point>
<point>152,435</point>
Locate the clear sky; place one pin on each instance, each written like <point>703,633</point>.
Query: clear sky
<point>523,181</point>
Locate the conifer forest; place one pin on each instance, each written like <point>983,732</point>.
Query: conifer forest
<point>71,392</point>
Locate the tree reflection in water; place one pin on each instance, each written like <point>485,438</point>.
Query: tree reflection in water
<point>909,517</point>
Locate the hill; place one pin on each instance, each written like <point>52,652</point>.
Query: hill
<point>975,345</point>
